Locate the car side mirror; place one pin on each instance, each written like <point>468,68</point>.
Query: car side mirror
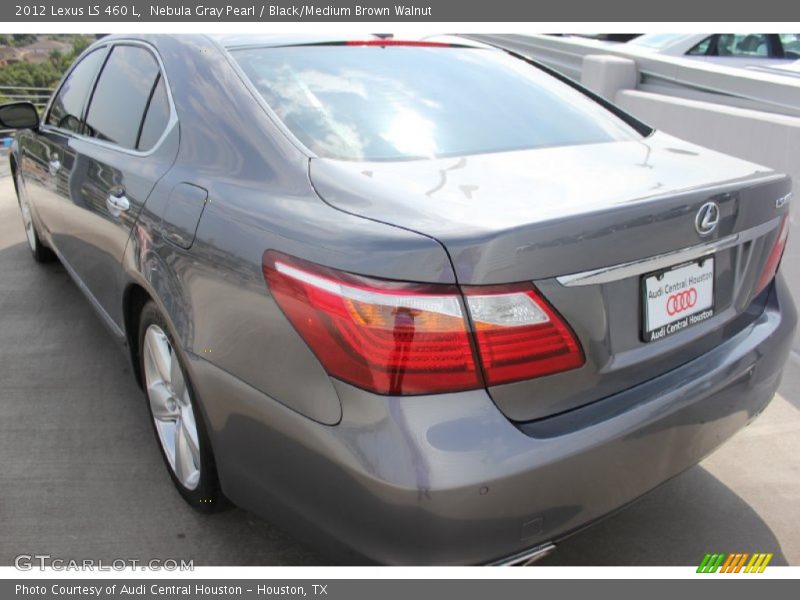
<point>19,115</point>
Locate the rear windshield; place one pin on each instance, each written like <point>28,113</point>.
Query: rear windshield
<point>400,102</point>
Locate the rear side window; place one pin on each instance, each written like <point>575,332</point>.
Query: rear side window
<point>122,95</point>
<point>403,102</point>
<point>156,118</point>
<point>67,108</point>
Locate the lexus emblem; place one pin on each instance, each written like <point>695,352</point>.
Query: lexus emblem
<point>707,218</point>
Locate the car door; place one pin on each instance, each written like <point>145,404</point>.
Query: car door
<point>47,156</point>
<point>125,146</point>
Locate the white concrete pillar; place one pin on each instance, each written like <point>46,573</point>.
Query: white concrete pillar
<point>606,75</point>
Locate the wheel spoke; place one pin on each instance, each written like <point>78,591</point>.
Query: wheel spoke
<point>193,480</point>
<point>186,465</point>
<point>160,353</point>
<point>163,409</point>
<point>176,377</point>
<point>180,462</point>
<point>190,433</point>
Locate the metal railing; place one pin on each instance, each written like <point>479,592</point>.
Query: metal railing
<point>37,95</point>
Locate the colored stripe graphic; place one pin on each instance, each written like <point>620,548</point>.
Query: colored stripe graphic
<point>711,562</point>
<point>720,558</point>
<point>753,563</point>
<point>727,567</point>
<point>765,563</point>
<point>741,562</point>
<point>734,562</point>
<point>703,563</point>
<point>758,563</point>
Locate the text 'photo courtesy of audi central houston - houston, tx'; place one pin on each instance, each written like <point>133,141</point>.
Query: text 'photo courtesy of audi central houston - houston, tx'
<point>420,301</point>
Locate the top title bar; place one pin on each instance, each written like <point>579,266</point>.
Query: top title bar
<point>400,10</point>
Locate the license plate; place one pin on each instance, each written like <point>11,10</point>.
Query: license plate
<point>678,298</point>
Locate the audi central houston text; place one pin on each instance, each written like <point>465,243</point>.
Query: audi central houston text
<point>421,301</point>
<point>155,589</point>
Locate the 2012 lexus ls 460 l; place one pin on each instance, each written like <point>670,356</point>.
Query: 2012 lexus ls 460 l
<point>423,299</point>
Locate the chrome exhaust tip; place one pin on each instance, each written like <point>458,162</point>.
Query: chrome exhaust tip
<point>526,557</point>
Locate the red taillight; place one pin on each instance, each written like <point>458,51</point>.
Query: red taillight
<point>387,337</point>
<point>519,335</point>
<point>774,259</point>
<point>406,338</point>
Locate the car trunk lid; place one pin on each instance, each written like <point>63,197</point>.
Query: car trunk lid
<point>585,223</point>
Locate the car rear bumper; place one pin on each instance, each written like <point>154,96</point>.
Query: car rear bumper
<point>448,479</point>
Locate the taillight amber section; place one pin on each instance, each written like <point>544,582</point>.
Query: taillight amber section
<point>386,337</point>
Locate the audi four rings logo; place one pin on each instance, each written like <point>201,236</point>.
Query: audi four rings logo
<point>707,218</point>
<point>681,301</point>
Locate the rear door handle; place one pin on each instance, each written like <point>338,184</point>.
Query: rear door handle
<point>117,204</point>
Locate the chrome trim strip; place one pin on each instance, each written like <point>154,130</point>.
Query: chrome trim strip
<point>662,261</point>
<point>86,52</point>
<point>173,113</point>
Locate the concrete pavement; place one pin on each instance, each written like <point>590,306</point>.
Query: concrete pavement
<point>81,476</point>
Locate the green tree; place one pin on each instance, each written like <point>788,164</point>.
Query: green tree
<point>23,39</point>
<point>44,74</point>
<point>79,44</point>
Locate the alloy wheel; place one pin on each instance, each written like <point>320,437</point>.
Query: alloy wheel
<point>171,407</point>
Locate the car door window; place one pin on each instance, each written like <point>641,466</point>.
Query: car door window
<point>157,117</point>
<point>742,45</point>
<point>121,96</point>
<point>791,45</point>
<point>67,108</point>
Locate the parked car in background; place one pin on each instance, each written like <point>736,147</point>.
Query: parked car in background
<point>423,301</point>
<point>731,49</point>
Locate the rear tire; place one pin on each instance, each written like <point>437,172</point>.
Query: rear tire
<point>177,422</point>
<point>41,253</point>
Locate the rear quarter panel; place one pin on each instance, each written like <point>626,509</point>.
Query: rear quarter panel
<point>259,198</point>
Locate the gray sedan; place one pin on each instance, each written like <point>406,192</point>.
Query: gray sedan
<point>421,301</point>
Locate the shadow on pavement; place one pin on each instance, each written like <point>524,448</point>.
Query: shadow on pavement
<point>675,525</point>
<point>790,384</point>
